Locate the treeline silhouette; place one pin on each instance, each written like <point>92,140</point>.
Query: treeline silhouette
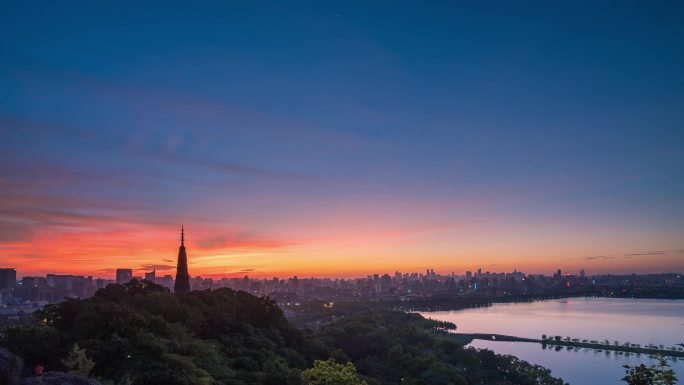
<point>139,333</point>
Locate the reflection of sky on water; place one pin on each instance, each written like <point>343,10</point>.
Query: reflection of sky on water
<point>581,367</point>
<point>636,321</point>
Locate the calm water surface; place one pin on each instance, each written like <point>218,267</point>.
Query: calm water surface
<point>634,320</point>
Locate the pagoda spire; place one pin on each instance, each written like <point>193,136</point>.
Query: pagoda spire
<point>182,284</point>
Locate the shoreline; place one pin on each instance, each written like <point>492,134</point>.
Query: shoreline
<point>467,338</point>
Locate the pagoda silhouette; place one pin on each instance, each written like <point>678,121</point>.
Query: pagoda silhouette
<point>182,285</point>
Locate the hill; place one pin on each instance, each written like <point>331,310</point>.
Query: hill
<point>139,333</point>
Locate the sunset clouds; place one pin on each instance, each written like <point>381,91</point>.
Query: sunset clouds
<point>340,146</point>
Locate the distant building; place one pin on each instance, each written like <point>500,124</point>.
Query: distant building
<point>150,276</point>
<point>8,278</point>
<point>35,289</point>
<point>33,281</point>
<point>124,276</point>
<point>166,281</point>
<point>69,286</point>
<point>182,285</point>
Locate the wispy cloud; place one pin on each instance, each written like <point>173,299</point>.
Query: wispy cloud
<point>237,240</point>
<point>234,168</point>
<point>228,273</point>
<point>148,267</point>
<point>598,257</point>
<point>171,150</point>
<point>656,252</point>
<point>629,255</point>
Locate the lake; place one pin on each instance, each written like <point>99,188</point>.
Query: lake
<point>640,321</point>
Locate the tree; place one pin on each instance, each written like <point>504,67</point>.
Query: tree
<point>277,372</point>
<point>77,362</point>
<point>638,375</point>
<point>660,374</point>
<point>663,376</point>
<point>330,372</point>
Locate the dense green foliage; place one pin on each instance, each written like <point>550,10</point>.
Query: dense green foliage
<point>78,363</point>
<point>390,347</point>
<point>330,372</point>
<point>660,374</point>
<point>139,333</point>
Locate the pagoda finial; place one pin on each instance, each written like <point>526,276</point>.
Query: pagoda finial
<point>182,284</point>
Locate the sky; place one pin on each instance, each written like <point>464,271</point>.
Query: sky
<point>341,138</point>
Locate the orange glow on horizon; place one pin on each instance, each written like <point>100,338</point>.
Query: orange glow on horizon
<point>216,254</point>
<point>338,242</point>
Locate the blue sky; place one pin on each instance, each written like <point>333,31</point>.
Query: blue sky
<point>528,133</point>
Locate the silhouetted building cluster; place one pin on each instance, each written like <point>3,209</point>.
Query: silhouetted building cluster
<point>32,292</point>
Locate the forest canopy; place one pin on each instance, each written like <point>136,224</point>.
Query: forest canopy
<point>139,333</point>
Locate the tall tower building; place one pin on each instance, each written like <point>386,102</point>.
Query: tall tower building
<point>182,285</point>
<point>8,278</point>
<point>124,276</point>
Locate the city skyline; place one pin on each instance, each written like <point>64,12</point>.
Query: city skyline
<point>339,139</point>
<point>168,265</point>
<point>125,274</point>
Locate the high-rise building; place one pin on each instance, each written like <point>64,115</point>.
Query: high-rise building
<point>8,278</point>
<point>124,276</point>
<point>182,285</point>
<point>150,276</point>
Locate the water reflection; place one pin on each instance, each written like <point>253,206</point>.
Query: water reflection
<point>658,322</point>
<point>576,365</point>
